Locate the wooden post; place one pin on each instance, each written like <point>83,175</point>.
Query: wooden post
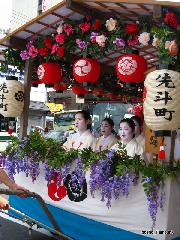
<point>171,157</point>
<point>27,90</point>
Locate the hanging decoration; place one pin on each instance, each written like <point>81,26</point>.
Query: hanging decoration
<point>80,91</point>
<point>49,73</point>
<point>98,92</point>
<point>12,97</point>
<point>60,87</point>
<point>35,83</point>
<point>131,68</point>
<point>86,70</point>
<point>161,102</point>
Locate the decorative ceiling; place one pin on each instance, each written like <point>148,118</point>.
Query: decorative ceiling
<point>47,22</point>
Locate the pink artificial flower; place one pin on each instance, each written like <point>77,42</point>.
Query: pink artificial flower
<point>54,48</point>
<point>33,52</point>
<point>84,26</point>
<point>60,38</point>
<point>68,29</point>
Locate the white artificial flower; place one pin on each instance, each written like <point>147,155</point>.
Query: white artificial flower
<point>155,41</point>
<point>101,40</point>
<point>111,24</point>
<point>167,44</point>
<point>60,28</point>
<point>144,38</point>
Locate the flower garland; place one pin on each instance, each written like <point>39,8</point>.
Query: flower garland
<point>111,172</point>
<point>95,37</point>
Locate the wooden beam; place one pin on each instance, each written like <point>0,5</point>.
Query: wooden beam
<point>143,2</point>
<point>157,12</point>
<point>27,90</point>
<point>84,9</point>
<point>17,43</point>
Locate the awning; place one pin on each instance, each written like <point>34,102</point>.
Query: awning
<point>47,22</point>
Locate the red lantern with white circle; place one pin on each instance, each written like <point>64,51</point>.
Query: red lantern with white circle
<point>49,73</point>
<point>131,68</point>
<point>86,70</point>
<point>80,91</point>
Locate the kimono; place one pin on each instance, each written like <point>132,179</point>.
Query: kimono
<point>77,141</point>
<point>103,143</point>
<point>132,148</point>
<point>141,140</point>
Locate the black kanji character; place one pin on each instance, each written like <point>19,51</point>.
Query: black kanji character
<point>166,80</point>
<point>166,97</point>
<point>4,106</point>
<point>162,112</point>
<point>3,87</point>
<point>2,97</point>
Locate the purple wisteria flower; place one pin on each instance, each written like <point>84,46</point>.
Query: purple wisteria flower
<point>155,199</point>
<point>24,55</point>
<point>79,172</point>
<point>119,42</point>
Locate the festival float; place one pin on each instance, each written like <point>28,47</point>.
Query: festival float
<point>129,58</point>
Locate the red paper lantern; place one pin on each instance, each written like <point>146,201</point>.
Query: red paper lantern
<point>60,87</point>
<point>86,70</point>
<point>35,83</point>
<point>80,91</point>
<point>98,92</point>
<point>49,73</point>
<point>131,68</point>
<point>113,95</point>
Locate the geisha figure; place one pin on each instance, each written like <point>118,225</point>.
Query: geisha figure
<point>139,136</point>
<point>127,138</point>
<point>83,138</point>
<point>107,140</point>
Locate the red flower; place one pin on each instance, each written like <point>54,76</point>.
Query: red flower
<point>43,51</point>
<point>60,38</point>
<point>68,29</point>
<point>48,42</point>
<point>60,51</point>
<point>84,26</point>
<point>133,41</point>
<point>96,24</point>
<point>171,20</point>
<point>131,28</point>
<point>88,18</point>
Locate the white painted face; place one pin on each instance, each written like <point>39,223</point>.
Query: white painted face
<point>80,122</point>
<point>126,133</point>
<point>106,128</point>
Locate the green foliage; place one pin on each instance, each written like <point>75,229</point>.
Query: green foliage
<point>88,157</point>
<point>12,57</point>
<point>37,148</point>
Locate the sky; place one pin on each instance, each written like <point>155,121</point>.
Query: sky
<point>5,15</point>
